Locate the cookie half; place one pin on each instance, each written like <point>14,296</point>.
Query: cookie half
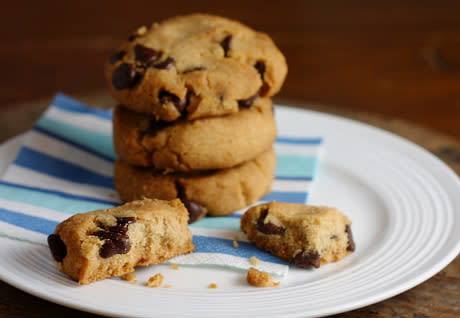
<point>202,144</point>
<point>216,193</point>
<point>302,234</point>
<point>195,66</point>
<point>95,245</point>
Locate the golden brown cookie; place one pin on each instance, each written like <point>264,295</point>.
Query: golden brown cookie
<point>202,144</point>
<point>302,234</point>
<point>95,245</point>
<point>218,192</point>
<point>195,66</point>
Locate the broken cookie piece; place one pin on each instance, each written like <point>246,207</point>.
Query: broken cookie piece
<point>302,234</point>
<point>260,279</point>
<point>95,245</point>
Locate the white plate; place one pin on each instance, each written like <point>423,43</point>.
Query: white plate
<point>405,208</point>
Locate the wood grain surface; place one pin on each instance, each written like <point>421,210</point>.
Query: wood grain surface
<point>393,64</point>
<point>396,58</point>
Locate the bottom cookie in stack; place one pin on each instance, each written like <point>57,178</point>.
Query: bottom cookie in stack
<point>217,192</point>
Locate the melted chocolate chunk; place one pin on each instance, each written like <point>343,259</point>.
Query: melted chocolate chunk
<point>111,248</point>
<point>268,228</point>
<point>132,37</point>
<point>57,247</point>
<point>263,90</point>
<point>124,76</point>
<point>260,67</point>
<point>226,44</point>
<point>115,238</point>
<point>122,224</point>
<point>194,209</point>
<point>166,64</point>
<point>246,103</point>
<point>146,55</point>
<point>107,235</point>
<point>306,260</point>
<point>166,97</point>
<point>194,69</point>
<point>117,56</point>
<point>351,243</point>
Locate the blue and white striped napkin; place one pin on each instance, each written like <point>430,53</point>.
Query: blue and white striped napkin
<point>64,166</point>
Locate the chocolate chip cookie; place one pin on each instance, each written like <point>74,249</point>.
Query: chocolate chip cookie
<point>302,234</point>
<point>95,245</point>
<point>216,193</point>
<point>202,144</point>
<point>194,66</point>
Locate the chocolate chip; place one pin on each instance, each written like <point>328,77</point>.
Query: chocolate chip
<point>146,55</point>
<point>116,240</point>
<point>226,44</point>
<point>268,227</point>
<point>351,243</point>
<point>166,97</point>
<point>107,235</point>
<point>112,247</point>
<point>306,260</point>
<point>122,225</point>
<point>263,90</point>
<point>166,64</point>
<point>57,247</point>
<point>260,67</point>
<point>124,76</point>
<point>333,237</point>
<point>246,103</point>
<point>117,56</point>
<point>194,69</point>
<point>194,209</point>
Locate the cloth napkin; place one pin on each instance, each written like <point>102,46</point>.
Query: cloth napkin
<point>64,166</point>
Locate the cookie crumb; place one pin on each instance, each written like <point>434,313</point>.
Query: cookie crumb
<point>130,278</point>
<point>155,281</point>
<point>260,279</point>
<point>254,261</point>
<point>213,285</point>
<point>235,244</point>
<point>174,266</point>
<point>167,286</point>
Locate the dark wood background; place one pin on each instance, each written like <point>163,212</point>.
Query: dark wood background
<point>398,58</point>
<point>395,64</point>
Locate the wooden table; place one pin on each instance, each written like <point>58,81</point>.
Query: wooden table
<point>394,65</point>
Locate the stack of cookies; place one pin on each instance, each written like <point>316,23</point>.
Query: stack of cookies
<point>194,118</point>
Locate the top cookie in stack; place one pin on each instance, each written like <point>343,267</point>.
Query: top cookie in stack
<point>195,66</point>
<point>194,108</point>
